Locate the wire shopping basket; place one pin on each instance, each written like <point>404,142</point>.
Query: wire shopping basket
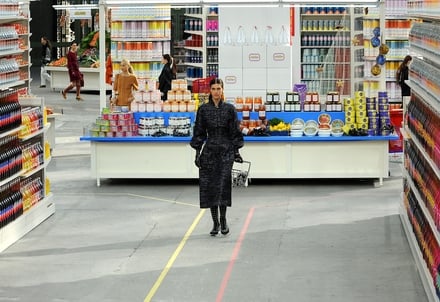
<point>240,174</point>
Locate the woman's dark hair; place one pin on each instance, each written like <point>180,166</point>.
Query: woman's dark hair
<point>216,81</point>
<point>47,42</point>
<point>170,61</point>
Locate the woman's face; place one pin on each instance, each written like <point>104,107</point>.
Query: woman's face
<point>124,67</point>
<point>43,41</point>
<point>216,91</point>
<point>74,47</point>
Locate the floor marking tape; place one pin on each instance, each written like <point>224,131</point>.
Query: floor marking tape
<point>166,200</point>
<point>173,258</point>
<point>234,256</point>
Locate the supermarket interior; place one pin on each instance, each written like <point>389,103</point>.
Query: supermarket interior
<point>101,202</point>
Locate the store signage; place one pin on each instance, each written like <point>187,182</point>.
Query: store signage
<point>254,57</point>
<point>279,56</point>
<point>80,14</point>
<point>230,79</point>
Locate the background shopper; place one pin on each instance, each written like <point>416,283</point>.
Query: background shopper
<point>125,82</point>
<point>167,74</point>
<point>75,76</point>
<point>46,57</point>
<point>216,139</point>
<point>402,74</point>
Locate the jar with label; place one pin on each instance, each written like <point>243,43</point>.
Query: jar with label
<point>296,106</point>
<point>166,106</point>
<point>262,113</point>
<point>158,107</point>
<point>288,105</point>
<point>316,106</point>
<point>182,107</point>
<point>149,107</point>
<point>249,101</point>
<point>277,106</point>
<point>246,112</point>
<point>174,106</point>
<point>191,106</point>
<point>307,106</point>
<point>239,104</point>
<point>258,102</point>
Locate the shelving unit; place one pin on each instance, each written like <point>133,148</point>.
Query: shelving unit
<point>195,44</point>
<point>331,52</point>
<point>24,187</point>
<point>394,34</point>
<point>141,35</point>
<point>14,47</point>
<point>420,215</point>
<point>25,195</point>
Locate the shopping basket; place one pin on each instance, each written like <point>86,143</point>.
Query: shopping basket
<point>240,174</point>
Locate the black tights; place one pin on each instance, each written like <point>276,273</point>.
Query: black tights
<point>214,213</point>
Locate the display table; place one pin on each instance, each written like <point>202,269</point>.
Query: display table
<point>271,157</point>
<point>51,131</point>
<point>60,78</point>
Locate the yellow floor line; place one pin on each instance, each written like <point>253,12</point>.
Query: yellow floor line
<point>173,257</point>
<point>135,195</point>
<point>166,200</point>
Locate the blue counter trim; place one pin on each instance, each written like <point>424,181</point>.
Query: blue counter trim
<point>169,139</point>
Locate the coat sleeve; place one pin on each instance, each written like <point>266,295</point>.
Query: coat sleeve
<point>199,131</point>
<point>135,83</point>
<point>237,136</point>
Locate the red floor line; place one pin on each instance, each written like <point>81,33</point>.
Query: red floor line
<point>234,256</point>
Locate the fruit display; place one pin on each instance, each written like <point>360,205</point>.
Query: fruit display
<point>88,51</point>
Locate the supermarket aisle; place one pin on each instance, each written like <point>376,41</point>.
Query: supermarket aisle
<point>147,240</point>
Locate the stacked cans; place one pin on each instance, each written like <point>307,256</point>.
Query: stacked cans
<point>356,111</point>
<point>384,114</point>
<point>373,118</point>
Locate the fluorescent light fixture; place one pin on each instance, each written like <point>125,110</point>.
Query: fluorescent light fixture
<point>75,6</point>
<point>150,2</point>
<point>332,3</point>
<point>240,1</point>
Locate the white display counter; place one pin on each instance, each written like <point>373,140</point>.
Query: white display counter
<point>60,78</point>
<point>363,157</point>
<point>271,157</point>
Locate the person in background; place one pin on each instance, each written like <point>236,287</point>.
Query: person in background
<point>125,82</point>
<point>46,57</point>
<point>217,139</point>
<point>167,74</point>
<point>75,75</point>
<point>402,74</point>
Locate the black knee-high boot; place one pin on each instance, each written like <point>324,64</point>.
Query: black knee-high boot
<point>224,225</point>
<point>216,224</point>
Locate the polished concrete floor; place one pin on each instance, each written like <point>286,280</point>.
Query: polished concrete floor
<point>147,240</point>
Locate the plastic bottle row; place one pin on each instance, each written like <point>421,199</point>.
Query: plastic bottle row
<point>325,40</point>
<point>141,29</point>
<point>10,156</point>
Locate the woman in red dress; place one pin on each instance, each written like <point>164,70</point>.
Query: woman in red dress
<point>75,75</point>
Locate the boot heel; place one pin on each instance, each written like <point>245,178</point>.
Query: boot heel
<point>215,229</point>
<point>224,226</point>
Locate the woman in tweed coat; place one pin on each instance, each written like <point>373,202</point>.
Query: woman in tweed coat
<point>217,139</point>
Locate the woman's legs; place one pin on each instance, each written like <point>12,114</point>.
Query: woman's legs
<point>78,90</point>
<point>66,90</point>
<point>223,223</point>
<point>42,78</point>
<point>216,224</point>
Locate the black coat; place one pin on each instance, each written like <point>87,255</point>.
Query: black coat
<point>404,74</point>
<point>165,78</point>
<point>217,130</point>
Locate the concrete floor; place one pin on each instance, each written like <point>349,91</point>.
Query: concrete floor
<point>147,240</point>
